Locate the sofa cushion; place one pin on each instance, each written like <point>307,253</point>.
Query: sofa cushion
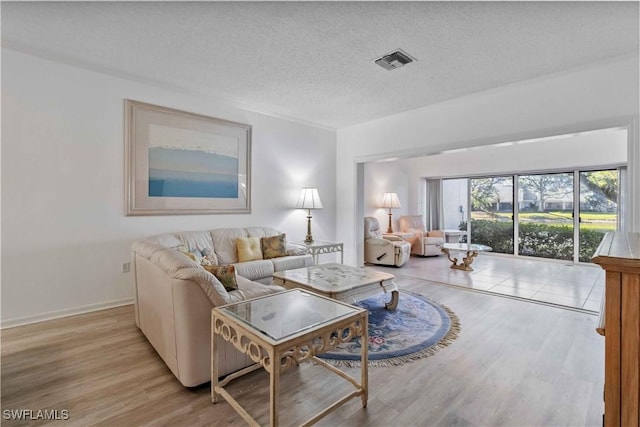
<point>195,254</point>
<point>248,289</point>
<point>224,243</point>
<point>210,285</point>
<point>261,231</point>
<point>291,262</point>
<point>248,249</point>
<point>254,270</point>
<point>171,260</point>
<point>196,240</point>
<point>273,246</point>
<point>168,240</point>
<point>226,274</point>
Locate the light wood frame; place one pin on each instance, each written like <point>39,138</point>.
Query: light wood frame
<point>289,351</point>
<point>619,255</point>
<point>184,131</point>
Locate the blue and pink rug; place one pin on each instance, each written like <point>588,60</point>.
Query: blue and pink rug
<point>418,328</point>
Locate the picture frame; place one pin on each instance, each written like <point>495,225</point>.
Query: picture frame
<point>182,163</point>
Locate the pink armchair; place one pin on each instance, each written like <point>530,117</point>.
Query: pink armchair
<point>390,250</point>
<point>424,243</point>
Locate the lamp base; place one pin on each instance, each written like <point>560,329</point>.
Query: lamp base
<point>389,229</point>
<point>309,239</point>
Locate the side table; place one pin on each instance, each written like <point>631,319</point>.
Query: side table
<point>281,330</point>
<point>318,247</point>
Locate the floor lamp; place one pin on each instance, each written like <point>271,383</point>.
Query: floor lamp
<point>390,201</point>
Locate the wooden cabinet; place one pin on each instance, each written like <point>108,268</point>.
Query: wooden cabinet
<point>619,255</point>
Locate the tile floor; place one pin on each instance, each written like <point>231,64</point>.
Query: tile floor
<point>577,286</point>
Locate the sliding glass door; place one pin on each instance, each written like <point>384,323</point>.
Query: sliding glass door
<point>492,212</point>
<point>545,215</point>
<point>598,209</point>
<point>560,216</point>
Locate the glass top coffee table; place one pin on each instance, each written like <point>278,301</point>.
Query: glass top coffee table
<point>341,282</point>
<point>471,250</point>
<point>281,330</point>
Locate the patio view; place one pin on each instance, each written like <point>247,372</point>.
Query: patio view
<point>555,215</point>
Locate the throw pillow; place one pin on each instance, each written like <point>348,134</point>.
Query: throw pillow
<point>248,249</point>
<point>206,261</point>
<point>209,258</point>
<point>195,255</point>
<point>274,246</point>
<point>226,274</point>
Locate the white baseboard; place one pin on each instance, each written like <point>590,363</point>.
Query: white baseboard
<point>26,320</point>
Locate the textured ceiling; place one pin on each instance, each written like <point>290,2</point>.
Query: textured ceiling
<point>313,61</point>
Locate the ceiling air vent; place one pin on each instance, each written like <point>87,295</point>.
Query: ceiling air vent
<point>395,59</point>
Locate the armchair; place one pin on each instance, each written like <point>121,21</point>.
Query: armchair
<point>424,243</point>
<point>389,250</point>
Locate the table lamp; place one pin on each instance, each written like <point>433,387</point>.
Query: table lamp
<point>391,201</point>
<point>309,199</point>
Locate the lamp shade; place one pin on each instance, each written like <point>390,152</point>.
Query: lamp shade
<point>391,201</point>
<point>309,199</point>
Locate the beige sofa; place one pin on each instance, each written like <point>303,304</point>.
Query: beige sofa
<point>174,295</point>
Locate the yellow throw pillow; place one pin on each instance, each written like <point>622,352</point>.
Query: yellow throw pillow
<point>226,274</point>
<point>248,249</point>
<point>274,246</point>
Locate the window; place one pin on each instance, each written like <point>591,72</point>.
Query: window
<point>537,214</point>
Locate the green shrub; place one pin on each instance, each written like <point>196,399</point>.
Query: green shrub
<point>498,235</point>
<point>546,241</point>
<point>537,240</point>
<point>589,242</point>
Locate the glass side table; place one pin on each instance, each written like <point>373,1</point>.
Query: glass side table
<point>471,250</point>
<point>281,330</point>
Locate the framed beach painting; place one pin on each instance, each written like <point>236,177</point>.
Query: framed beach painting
<point>184,163</point>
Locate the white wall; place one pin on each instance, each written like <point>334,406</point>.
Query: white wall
<point>596,97</point>
<point>65,235</point>
<point>380,178</point>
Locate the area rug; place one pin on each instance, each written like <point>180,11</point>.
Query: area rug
<point>417,328</point>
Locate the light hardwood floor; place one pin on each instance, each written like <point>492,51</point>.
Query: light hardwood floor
<point>514,364</point>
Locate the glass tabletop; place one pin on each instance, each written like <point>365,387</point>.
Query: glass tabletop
<point>466,247</point>
<point>287,313</point>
